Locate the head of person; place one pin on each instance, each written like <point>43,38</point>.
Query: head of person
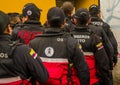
<point>82,16</point>
<point>14,18</point>
<point>55,17</point>
<point>67,7</point>
<point>31,12</point>
<point>5,27</point>
<point>94,10</point>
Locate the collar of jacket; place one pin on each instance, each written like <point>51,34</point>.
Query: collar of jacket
<point>50,32</point>
<point>81,28</point>
<point>96,18</point>
<point>32,22</point>
<point>5,37</point>
<point>53,30</point>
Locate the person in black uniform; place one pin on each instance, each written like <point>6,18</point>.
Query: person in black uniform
<point>106,42</point>
<point>31,25</point>
<point>97,21</point>
<point>18,63</point>
<point>92,47</point>
<point>60,52</point>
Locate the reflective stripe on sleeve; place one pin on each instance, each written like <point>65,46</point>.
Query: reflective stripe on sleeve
<point>88,53</point>
<point>9,80</point>
<point>54,60</point>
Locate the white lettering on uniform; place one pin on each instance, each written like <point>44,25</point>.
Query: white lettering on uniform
<point>60,39</point>
<point>3,55</point>
<point>81,40</point>
<point>81,36</point>
<point>97,23</point>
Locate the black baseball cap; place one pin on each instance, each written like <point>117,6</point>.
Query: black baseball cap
<point>82,12</point>
<point>4,21</point>
<point>55,13</point>
<point>94,9</point>
<point>82,15</point>
<point>31,10</point>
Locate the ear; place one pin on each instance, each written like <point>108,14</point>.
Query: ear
<point>8,30</point>
<point>63,24</point>
<point>89,21</point>
<point>25,18</point>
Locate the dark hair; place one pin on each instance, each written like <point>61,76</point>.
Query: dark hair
<point>13,17</point>
<point>67,7</point>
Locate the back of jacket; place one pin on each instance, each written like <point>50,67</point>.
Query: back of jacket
<point>94,53</point>
<point>57,50</point>
<point>29,31</point>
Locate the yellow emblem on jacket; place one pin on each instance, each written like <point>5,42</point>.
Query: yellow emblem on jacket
<point>33,54</point>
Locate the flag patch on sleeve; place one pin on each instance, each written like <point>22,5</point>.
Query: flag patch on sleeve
<point>99,45</point>
<point>33,54</point>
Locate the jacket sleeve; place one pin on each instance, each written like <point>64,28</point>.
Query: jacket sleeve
<point>112,40</point>
<point>35,66</point>
<point>14,34</point>
<point>102,61</point>
<point>108,48</point>
<point>79,62</point>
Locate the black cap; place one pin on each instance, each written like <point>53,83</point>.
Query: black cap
<point>55,13</point>
<point>4,21</point>
<point>94,9</point>
<point>82,15</point>
<point>31,10</point>
<point>82,12</point>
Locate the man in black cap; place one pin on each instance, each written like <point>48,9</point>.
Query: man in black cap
<point>31,25</point>
<point>97,21</point>
<point>18,63</point>
<point>61,53</point>
<point>93,48</point>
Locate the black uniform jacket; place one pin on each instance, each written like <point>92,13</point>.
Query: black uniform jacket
<point>93,44</point>
<point>58,40</point>
<point>99,22</point>
<point>69,26</point>
<point>21,61</point>
<point>106,42</point>
<point>29,25</point>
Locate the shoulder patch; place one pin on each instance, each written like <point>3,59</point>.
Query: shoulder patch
<point>33,54</point>
<point>49,51</point>
<point>99,45</point>
<point>80,46</point>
